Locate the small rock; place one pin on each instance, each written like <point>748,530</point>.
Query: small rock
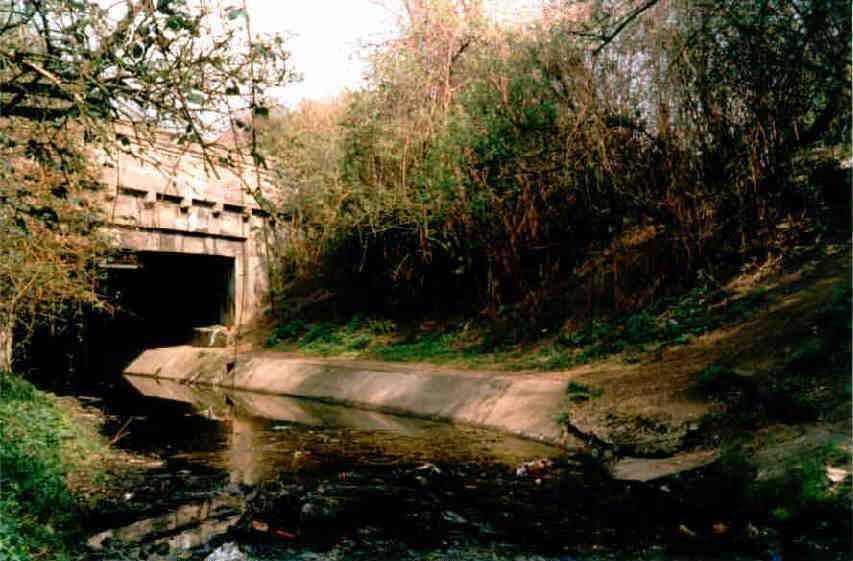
<point>720,528</point>
<point>284,534</point>
<point>310,511</point>
<point>212,336</point>
<point>227,552</point>
<point>319,509</point>
<point>452,517</point>
<point>752,531</point>
<point>836,475</point>
<point>686,531</point>
<point>533,467</point>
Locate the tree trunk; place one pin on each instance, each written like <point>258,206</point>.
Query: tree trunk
<point>6,347</point>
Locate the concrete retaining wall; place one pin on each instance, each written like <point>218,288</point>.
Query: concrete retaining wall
<point>519,404</point>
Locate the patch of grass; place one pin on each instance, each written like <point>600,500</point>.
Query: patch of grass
<point>804,487</point>
<point>39,444</point>
<point>434,347</point>
<point>548,357</point>
<point>812,380</point>
<point>289,330</point>
<point>743,308</point>
<point>817,373</point>
<point>667,322</point>
<point>576,393</point>
<point>715,379</point>
<point>580,392</point>
<point>367,338</point>
<point>514,344</point>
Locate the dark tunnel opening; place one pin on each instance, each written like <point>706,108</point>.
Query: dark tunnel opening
<point>159,298</point>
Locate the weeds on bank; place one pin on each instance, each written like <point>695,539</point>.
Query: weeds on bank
<point>576,393</point>
<point>513,345</point>
<point>801,488</point>
<point>37,513</point>
<point>39,445</point>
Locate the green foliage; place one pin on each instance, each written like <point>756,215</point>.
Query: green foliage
<point>715,379</point>
<point>373,338</point>
<point>435,347</point>
<point>579,392</point>
<point>38,516</point>
<point>576,393</point>
<point>800,491</point>
<point>511,342</point>
<point>835,318</point>
<point>330,338</point>
<point>289,330</point>
<point>666,322</point>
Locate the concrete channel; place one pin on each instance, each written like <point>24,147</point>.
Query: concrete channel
<point>525,405</point>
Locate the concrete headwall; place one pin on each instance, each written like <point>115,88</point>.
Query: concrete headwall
<point>518,404</point>
<point>159,198</point>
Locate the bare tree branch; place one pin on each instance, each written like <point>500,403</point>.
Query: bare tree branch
<point>607,38</point>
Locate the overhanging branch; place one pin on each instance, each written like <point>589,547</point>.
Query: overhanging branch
<point>607,38</point>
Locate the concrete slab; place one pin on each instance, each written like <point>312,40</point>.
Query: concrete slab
<point>524,405</point>
<point>649,469</point>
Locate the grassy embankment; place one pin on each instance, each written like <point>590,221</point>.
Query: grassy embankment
<point>517,345</point>
<point>784,431</point>
<point>50,461</point>
<point>672,321</point>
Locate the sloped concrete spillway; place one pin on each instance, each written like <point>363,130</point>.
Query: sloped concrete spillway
<point>518,404</point>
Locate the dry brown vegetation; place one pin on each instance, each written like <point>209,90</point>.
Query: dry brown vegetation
<point>591,162</point>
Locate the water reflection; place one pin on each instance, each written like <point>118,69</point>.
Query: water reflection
<point>187,526</point>
<point>293,462</point>
<point>244,467</point>
<point>260,435</point>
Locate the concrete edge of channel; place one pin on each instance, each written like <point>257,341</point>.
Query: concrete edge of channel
<point>526,406</point>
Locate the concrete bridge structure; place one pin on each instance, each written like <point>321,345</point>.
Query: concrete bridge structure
<point>168,203</point>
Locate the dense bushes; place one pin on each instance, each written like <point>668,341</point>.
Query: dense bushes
<point>486,168</point>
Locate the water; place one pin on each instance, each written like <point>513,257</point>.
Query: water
<point>287,478</point>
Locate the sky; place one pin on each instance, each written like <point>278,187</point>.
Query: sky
<point>325,37</point>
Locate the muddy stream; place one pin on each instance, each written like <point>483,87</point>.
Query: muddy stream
<point>286,478</point>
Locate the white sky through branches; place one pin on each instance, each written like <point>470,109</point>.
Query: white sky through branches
<point>325,37</point>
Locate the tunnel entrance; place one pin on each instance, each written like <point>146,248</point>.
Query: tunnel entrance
<point>159,298</point>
